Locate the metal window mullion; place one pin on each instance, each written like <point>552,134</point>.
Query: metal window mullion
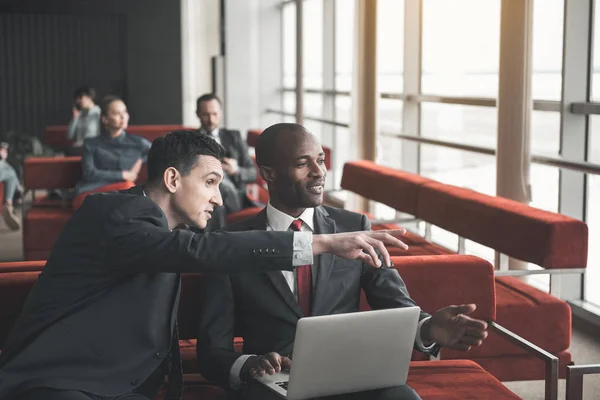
<point>576,83</point>
<point>329,69</point>
<point>411,111</point>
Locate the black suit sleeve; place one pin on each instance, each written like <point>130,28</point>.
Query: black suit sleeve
<point>385,288</point>
<point>137,241</point>
<point>214,348</point>
<point>247,172</point>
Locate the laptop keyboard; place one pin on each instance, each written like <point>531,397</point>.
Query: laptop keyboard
<point>283,385</point>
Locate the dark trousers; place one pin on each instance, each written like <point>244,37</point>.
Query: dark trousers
<point>257,391</point>
<point>55,394</point>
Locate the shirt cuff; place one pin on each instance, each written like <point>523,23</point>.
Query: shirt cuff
<point>303,254</point>
<point>235,382</point>
<point>419,339</point>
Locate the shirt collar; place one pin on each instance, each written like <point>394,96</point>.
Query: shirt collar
<point>280,221</point>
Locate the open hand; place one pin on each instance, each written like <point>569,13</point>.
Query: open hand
<point>360,245</point>
<point>230,166</point>
<point>270,363</point>
<point>452,328</point>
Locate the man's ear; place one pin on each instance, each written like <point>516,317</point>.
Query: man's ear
<point>267,173</point>
<point>171,179</point>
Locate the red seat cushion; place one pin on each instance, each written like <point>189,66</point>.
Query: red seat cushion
<point>21,266</point>
<point>547,239</point>
<point>243,214</point>
<point>392,187</point>
<point>51,172</point>
<point>42,226</point>
<point>536,316</point>
<point>455,380</point>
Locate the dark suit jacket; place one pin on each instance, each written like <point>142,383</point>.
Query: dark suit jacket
<point>263,310</point>
<point>235,147</point>
<point>101,315</point>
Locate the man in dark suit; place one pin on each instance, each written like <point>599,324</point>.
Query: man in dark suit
<point>265,308</point>
<point>100,323</point>
<point>237,163</point>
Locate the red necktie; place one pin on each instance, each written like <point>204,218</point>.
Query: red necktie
<point>303,278</point>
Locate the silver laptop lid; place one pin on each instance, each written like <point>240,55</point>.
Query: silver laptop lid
<point>352,352</point>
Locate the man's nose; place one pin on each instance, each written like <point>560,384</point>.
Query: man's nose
<point>217,199</point>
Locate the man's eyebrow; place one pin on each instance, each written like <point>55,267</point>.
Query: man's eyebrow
<point>306,157</point>
<point>218,174</point>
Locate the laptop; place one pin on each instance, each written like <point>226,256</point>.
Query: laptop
<point>346,353</point>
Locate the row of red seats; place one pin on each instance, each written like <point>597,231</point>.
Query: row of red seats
<point>473,282</point>
<point>547,239</point>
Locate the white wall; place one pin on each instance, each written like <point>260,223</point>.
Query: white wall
<point>200,38</point>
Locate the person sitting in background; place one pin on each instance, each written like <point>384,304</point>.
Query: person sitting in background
<point>112,160</point>
<point>237,163</point>
<point>86,120</point>
<point>12,189</point>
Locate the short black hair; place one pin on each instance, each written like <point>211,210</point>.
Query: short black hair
<point>180,150</point>
<point>85,91</point>
<point>207,97</point>
<point>106,102</point>
<point>266,146</point>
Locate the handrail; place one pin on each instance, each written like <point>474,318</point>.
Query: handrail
<point>309,118</point>
<point>580,166</point>
<point>538,105</point>
<point>585,167</point>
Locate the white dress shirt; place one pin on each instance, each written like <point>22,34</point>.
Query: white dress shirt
<point>280,221</point>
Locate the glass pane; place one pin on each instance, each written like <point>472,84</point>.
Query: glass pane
<point>342,152</point>
<point>390,115</point>
<point>343,105</point>
<point>344,43</point>
<point>464,124</point>
<point>592,276</point>
<point>545,133</point>
<point>459,168</point>
<point>313,105</point>
<point>289,45</point>
<point>544,187</point>
<point>593,212</point>
<point>313,43</point>
<point>289,102</point>
<point>548,26</point>
<point>390,45</point>
<point>389,152</point>
<point>596,55</point>
<point>461,47</point>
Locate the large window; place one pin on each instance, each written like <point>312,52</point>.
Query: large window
<point>461,42</point>
<point>288,21</point>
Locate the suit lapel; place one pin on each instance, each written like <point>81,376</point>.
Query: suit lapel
<point>323,225</point>
<point>225,142</point>
<point>276,277</point>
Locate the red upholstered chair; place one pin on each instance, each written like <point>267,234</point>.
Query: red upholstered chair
<point>113,187</point>
<point>550,240</point>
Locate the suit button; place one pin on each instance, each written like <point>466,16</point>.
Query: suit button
<point>267,251</point>
<point>135,381</point>
<point>159,355</point>
<point>260,251</point>
<point>274,251</point>
<point>254,251</point>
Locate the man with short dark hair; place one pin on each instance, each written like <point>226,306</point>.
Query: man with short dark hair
<point>101,321</point>
<point>264,308</point>
<point>86,119</point>
<point>237,163</point>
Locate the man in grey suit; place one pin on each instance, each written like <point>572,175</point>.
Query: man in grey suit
<point>101,321</point>
<point>238,165</point>
<point>265,308</point>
